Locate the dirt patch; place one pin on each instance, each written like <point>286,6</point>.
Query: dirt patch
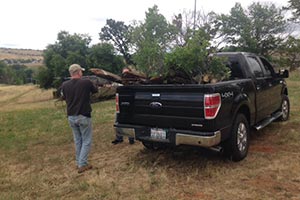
<point>262,148</point>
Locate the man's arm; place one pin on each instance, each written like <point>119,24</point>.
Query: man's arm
<point>62,95</point>
<point>94,88</point>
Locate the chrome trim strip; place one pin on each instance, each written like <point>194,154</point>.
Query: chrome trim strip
<point>196,140</point>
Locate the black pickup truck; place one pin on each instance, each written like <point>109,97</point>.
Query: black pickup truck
<point>219,115</point>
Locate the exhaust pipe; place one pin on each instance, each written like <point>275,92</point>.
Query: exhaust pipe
<point>217,149</point>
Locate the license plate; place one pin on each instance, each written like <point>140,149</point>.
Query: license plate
<point>158,133</point>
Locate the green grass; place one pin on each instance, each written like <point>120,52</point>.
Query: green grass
<point>294,76</point>
<point>18,129</point>
<point>294,96</point>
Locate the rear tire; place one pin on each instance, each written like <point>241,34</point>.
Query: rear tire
<point>238,144</point>
<point>150,145</point>
<point>285,108</point>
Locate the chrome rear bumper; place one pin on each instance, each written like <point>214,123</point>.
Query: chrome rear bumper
<point>199,139</point>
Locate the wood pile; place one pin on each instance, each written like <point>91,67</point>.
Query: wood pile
<point>130,76</point>
<point>108,82</point>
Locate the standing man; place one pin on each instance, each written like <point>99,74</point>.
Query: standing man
<point>77,93</point>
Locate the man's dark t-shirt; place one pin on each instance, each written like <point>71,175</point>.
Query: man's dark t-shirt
<point>77,93</point>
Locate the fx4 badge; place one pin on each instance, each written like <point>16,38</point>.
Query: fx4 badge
<point>227,94</point>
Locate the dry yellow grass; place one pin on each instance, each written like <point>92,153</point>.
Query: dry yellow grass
<point>14,97</point>
<point>7,53</point>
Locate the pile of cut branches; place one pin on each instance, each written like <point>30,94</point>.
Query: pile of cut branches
<point>130,76</point>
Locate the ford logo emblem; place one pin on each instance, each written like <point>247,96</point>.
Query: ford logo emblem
<point>155,105</point>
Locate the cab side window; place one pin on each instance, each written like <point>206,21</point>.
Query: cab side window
<point>255,67</point>
<point>235,70</point>
<point>267,67</point>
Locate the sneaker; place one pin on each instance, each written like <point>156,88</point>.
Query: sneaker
<point>116,141</point>
<point>84,168</point>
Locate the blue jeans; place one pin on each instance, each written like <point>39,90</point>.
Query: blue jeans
<point>82,133</point>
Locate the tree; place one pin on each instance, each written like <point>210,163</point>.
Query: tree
<point>45,78</point>
<point>67,49</point>
<point>14,74</point>
<point>6,74</point>
<point>191,57</point>
<point>151,41</point>
<point>255,30</point>
<point>290,53</point>
<point>194,58</point>
<point>294,5</point>
<point>103,56</point>
<point>118,33</point>
<point>184,25</point>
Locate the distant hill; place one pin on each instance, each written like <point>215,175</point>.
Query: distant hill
<point>28,57</point>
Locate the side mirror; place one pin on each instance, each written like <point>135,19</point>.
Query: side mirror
<point>283,73</point>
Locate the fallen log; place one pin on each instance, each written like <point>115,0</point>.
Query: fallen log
<point>106,75</point>
<point>130,77</point>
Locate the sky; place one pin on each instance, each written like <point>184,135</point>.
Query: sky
<point>34,24</point>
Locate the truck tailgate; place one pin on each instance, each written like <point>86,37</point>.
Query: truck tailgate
<point>167,106</point>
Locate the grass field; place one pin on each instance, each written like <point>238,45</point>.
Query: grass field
<point>37,158</point>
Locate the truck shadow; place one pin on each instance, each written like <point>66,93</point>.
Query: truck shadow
<point>182,158</point>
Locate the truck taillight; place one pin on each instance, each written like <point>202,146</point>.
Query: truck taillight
<point>212,104</point>
<point>117,103</point>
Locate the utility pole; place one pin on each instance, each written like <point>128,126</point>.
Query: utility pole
<point>195,15</point>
